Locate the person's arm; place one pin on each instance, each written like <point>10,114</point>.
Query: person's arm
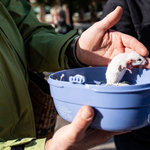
<point>98,45</point>
<point>125,24</point>
<point>31,32</point>
<point>94,47</point>
<point>45,48</point>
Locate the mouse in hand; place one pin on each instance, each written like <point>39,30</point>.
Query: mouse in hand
<point>120,63</point>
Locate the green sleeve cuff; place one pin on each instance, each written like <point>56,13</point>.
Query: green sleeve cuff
<point>38,144</point>
<point>73,61</point>
<point>25,144</point>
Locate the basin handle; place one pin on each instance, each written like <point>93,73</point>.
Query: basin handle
<point>79,79</point>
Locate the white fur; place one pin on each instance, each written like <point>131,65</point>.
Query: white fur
<point>118,66</point>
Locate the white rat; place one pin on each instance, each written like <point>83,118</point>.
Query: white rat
<point>120,63</point>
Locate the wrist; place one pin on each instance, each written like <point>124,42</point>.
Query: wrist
<point>71,54</point>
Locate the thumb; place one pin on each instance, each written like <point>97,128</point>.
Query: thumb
<point>81,122</point>
<point>111,19</point>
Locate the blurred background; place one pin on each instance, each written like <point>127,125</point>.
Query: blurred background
<point>79,14</point>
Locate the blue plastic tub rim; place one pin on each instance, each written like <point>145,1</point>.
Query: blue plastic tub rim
<point>97,88</point>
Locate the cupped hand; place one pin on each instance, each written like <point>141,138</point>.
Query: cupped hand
<point>148,63</point>
<point>98,45</point>
<point>77,135</point>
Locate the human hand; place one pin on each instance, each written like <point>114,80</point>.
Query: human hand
<point>98,45</point>
<point>77,135</point>
<point>148,63</point>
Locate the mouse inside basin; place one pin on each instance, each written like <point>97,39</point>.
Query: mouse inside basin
<point>96,76</point>
<point>80,79</point>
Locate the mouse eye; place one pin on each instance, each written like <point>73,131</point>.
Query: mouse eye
<point>139,59</point>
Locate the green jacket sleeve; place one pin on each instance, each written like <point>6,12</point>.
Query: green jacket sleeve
<point>45,49</point>
<point>25,143</point>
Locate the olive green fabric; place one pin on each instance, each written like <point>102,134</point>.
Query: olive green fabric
<point>25,44</point>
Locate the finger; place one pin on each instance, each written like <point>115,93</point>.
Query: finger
<point>111,19</point>
<point>81,122</point>
<point>118,133</point>
<point>134,45</point>
<point>148,63</point>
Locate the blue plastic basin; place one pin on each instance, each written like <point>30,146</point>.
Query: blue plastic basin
<point>117,108</point>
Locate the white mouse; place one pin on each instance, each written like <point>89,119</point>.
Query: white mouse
<point>120,63</point>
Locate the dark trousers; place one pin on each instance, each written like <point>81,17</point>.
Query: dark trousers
<point>135,140</point>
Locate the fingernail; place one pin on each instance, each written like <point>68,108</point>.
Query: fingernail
<point>86,114</point>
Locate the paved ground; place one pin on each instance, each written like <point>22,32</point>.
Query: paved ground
<point>107,146</point>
